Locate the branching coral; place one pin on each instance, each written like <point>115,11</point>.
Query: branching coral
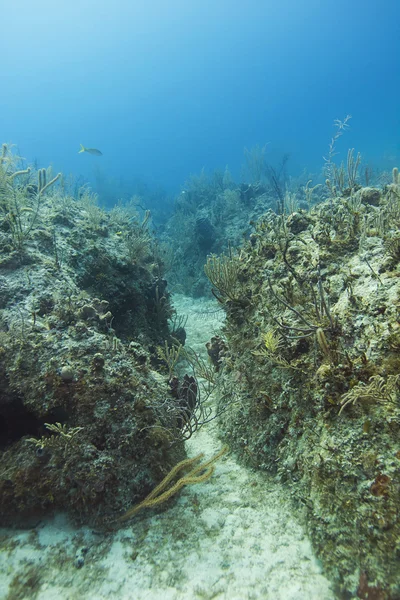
<point>170,355</point>
<point>378,389</point>
<point>65,436</point>
<point>197,474</point>
<point>20,200</point>
<point>222,271</point>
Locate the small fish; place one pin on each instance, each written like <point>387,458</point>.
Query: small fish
<point>93,151</point>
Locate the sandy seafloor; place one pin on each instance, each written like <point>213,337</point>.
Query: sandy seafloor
<point>233,537</point>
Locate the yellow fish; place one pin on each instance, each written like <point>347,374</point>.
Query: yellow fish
<point>93,151</point>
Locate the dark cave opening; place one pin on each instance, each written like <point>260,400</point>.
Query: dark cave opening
<point>16,421</point>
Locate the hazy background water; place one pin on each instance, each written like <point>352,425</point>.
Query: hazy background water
<point>167,87</point>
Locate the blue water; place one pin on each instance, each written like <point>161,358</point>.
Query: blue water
<point>166,88</point>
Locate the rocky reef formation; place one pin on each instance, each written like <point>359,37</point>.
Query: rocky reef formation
<point>210,215</point>
<point>311,355</point>
<point>88,423</point>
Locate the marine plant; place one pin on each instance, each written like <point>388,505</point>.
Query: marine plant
<point>203,369</point>
<point>170,354</point>
<point>272,345</point>
<point>20,198</point>
<point>329,168</point>
<point>94,215</point>
<point>223,271</point>
<point>353,165</point>
<point>196,474</point>
<point>65,436</point>
<point>309,193</point>
<point>138,240</point>
<point>313,315</point>
<point>378,389</point>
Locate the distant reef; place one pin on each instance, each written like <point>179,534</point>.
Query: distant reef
<point>311,355</point>
<point>88,421</point>
<point>211,215</point>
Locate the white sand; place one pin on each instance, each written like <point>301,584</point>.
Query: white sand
<point>234,537</point>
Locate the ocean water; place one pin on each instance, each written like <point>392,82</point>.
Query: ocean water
<point>164,91</point>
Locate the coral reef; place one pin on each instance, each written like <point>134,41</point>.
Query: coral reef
<point>209,215</point>
<point>311,354</point>
<point>196,474</point>
<point>213,214</point>
<point>88,423</point>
